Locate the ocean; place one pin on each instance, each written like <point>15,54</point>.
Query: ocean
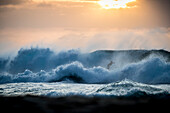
<point>128,73</point>
<point>125,88</point>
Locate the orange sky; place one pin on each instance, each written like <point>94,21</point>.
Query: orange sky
<point>68,13</point>
<point>63,24</point>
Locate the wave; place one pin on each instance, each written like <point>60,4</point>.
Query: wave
<point>37,59</point>
<point>124,88</point>
<point>130,88</point>
<point>152,70</point>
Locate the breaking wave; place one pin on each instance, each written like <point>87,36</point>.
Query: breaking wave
<point>129,88</point>
<point>43,65</point>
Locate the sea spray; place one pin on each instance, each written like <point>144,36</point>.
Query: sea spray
<point>150,71</point>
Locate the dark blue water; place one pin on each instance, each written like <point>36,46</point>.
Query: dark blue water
<point>44,72</point>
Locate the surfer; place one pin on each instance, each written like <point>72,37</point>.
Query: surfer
<point>109,65</point>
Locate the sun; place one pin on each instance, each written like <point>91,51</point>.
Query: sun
<point>116,4</point>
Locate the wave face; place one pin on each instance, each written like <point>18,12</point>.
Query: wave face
<point>43,65</point>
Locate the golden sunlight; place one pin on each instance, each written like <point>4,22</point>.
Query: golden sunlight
<point>116,4</point>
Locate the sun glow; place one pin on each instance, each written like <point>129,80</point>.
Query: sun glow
<point>116,4</point>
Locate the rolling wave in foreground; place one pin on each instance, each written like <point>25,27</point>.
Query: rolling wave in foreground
<point>38,71</point>
<point>124,88</point>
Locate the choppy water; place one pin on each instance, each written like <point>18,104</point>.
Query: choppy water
<point>122,88</point>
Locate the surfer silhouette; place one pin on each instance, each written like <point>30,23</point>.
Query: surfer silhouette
<point>109,65</point>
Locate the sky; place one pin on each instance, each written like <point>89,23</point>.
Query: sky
<point>88,25</point>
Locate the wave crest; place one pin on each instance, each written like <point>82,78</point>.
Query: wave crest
<point>129,88</point>
<point>150,71</point>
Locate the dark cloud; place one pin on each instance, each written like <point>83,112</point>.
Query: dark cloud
<point>12,2</point>
<point>162,7</point>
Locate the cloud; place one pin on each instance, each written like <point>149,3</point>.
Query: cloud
<point>86,39</point>
<point>16,2</point>
<point>82,15</point>
<point>13,2</point>
<point>19,21</point>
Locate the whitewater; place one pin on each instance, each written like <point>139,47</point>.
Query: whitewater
<point>43,72</point>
